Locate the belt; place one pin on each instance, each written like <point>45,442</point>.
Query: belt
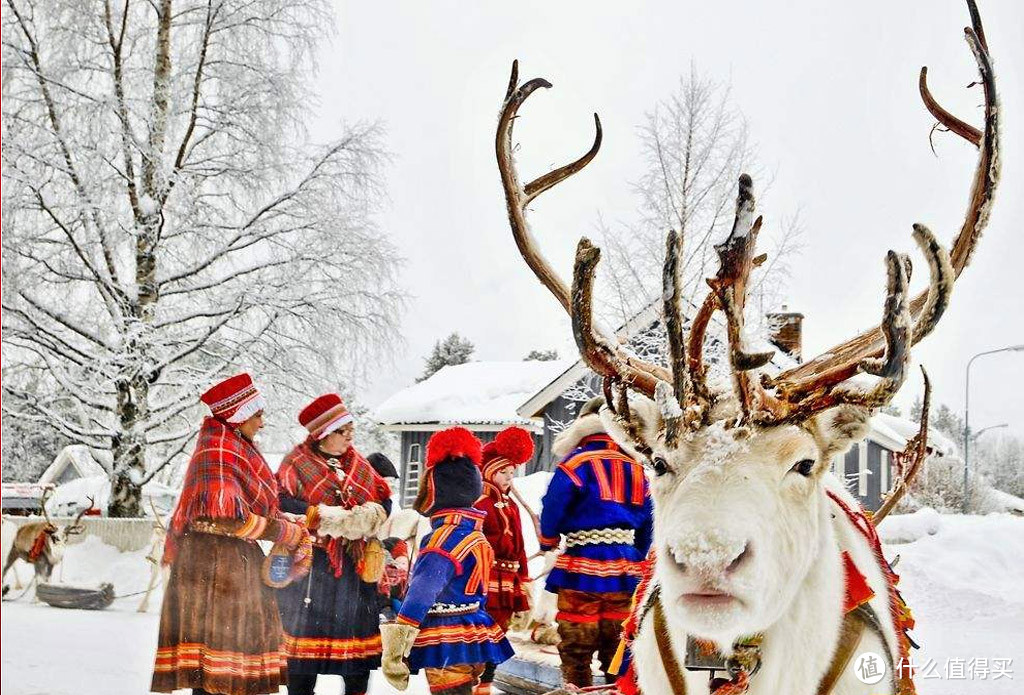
<point>507,565</point>
<point>600,536</point>
<point>448,609</point>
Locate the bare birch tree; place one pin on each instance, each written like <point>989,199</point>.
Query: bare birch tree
<point>166,220</point>
<point>695,144</point>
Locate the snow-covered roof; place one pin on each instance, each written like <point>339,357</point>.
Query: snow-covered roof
<point>80,457</point>
<point>907,429</point>
<point>74,495</point>
<point>475,393</point>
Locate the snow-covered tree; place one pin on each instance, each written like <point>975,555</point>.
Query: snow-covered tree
<point>541,355</point>
<point>167,220</point>
<point>695,145</point>
<point>452,350</point>
<point>27,449</point>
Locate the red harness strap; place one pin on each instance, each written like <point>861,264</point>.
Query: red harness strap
<point>38,545</point>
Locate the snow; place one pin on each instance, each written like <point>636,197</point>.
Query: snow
<point>961,576</point>
<point>907,528</point>
<point>475,393</point>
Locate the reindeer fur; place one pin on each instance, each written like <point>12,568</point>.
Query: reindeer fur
<point>729,487</point>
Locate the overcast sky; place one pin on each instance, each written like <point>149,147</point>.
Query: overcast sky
<point>830,94</point>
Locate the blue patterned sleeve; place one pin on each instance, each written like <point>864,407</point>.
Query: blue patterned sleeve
<point>556,503</point>
<point>432,573</point>
<point>645,533</point>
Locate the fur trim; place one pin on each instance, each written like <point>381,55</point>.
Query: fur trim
<point>361,521</point>
<point>248,409</point>
<point>513,443</point>
<point>456,442</point>
<point>569,438</point>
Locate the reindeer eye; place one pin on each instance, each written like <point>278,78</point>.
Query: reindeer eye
<point>660,466</point>
<point>803,467</point>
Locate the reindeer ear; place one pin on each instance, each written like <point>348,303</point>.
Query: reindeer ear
<point>634,436</point>
<point>837,429</point>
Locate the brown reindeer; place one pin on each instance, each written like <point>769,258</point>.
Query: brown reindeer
<point>42,543</point>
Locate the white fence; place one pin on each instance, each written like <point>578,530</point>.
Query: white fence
<point>126,535</point>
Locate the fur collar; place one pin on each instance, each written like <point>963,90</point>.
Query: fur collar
<point>569,438</point>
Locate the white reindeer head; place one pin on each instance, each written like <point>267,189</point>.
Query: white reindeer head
<point>742,513</point>
<point>737,478</point>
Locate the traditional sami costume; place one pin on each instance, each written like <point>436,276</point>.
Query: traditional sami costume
<point>219,627</point>
<point>598,501</point>
<point>507,592</point>
<point>443,627</point>
<point>331,619</point>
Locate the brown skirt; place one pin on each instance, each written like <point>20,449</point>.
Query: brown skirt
<point>219,628</point>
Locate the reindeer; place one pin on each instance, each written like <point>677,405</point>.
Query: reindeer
<point>42,543</point>
<point>157,572</point>
<point>757,544</point>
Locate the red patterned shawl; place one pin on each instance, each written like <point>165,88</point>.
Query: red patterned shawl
<point>305,474</point>
<point>227,478</point>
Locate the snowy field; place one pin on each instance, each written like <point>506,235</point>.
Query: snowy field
<point>962,576</point>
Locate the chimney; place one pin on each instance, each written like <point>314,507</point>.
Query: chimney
<point>786,331</point>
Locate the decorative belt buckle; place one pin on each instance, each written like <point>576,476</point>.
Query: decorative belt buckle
<point>700,659</point>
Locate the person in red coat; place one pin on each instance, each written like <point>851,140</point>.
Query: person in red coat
<point>508,590</point>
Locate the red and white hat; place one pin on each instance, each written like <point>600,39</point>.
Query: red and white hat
<point>325,415</point>
<point>512,447</point>
<point>234,400</point>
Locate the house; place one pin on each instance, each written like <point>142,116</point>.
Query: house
<point>545,396</point>
<point>20,499</point>
<point>481,396</point>
<point>75,461</point>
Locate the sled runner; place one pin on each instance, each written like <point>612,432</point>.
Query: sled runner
<point>68,596</point>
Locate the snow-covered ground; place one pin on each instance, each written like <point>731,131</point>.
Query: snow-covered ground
<point>962,576</point>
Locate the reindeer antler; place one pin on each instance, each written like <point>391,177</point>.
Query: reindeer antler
<point>842,361</point>
<point>600,350</point>
<point>909,461</point>
<point>76,525</point>
<point>803,391</point>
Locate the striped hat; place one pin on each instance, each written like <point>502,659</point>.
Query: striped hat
<point>512,447</point>
<point>325,415</point>
<point>235,399</point>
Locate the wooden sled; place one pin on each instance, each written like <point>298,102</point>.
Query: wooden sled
<point>67,596</point>
<point>534,670</point>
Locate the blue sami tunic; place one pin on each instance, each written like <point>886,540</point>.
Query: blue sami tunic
<point>599,500</point>
<point>448,593</point>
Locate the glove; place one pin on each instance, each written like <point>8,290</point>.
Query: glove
<point>302,558</point>
<point>397,640</point>
<point>527,588</point>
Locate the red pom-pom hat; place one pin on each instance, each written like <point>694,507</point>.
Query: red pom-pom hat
<point>234,400</point>
<point>456,442</point>
<point>512,447</point>
<point>325,415</point>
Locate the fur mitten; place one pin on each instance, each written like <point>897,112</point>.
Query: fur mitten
<point>361,521</point>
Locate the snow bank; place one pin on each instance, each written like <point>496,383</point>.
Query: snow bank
<point>471,393</point>
<point>906,528</point>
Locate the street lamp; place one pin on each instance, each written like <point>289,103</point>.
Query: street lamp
<point>967,412</point>
<point>983,430</point>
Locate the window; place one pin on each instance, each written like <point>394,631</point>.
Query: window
<point>414,453</point>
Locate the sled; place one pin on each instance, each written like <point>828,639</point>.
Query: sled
<point>534,670</point>
<point>68,596</point>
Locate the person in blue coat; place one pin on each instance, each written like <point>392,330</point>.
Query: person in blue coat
<point>443,627</point>
<point>598,504</point>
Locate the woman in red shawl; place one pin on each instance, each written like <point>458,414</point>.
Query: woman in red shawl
<point>508,591</point>
<point>219,627</point>
<point>331,619</point>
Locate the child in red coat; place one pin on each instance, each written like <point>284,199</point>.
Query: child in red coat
<point>508,589</point>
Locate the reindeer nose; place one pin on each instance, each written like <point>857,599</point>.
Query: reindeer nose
<point>710,557</point>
